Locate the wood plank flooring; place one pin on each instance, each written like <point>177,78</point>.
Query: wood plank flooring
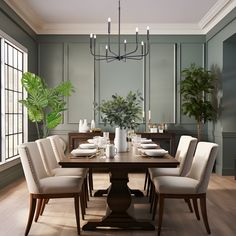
<point>59,217</point>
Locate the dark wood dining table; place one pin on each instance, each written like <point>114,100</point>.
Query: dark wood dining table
<point>119,195</point>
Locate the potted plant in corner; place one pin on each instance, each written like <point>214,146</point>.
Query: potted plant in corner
<point>45,105</point>
<point>197,90</point>
<point>122,112</point>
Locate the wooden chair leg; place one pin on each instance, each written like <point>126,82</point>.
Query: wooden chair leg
<point>151,192</point>
<point>38,210</point>
<point>161,210</point>
<point>45,201</point>
<point>76,202</point>
<point>31,214</point>
<point>148,185</point>
<point>204,213</point>
<point>195,206</point>
<point>187,200</point>
<point>155,203</point>
<point>146,178</point>
<point>82,204</point>
<point>86,190</point>
<point>90,181</point>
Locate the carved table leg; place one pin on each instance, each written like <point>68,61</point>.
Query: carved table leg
<point>119,200</point>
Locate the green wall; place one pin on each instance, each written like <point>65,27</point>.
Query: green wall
<point>14,27</point>
<point>221,49</point>
<point>67,57</point>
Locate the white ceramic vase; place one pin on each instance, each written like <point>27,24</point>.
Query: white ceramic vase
<point>120,140</point>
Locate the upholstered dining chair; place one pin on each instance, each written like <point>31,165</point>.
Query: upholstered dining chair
<point>42,186</point>
<point>57,145</point>
<point>184,154</point>
<point>192,186</point>
<point>53,169</point>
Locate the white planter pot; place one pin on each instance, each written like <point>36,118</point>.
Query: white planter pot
<point>120,140</point>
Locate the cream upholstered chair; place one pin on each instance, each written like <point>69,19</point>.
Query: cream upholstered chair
<point>57,145</point>
<point>50,162</point>
<point>41,186</point>
<point>193,186</point>
<point>184,154</point>
<point>53,168</point>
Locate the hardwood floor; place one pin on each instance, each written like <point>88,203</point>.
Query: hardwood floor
<point>59,217</point>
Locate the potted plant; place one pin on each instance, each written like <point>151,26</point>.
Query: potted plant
<point>122,112</point>
<point>197,90</point>
<point>45,105</point>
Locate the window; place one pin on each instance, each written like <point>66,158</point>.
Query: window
<point>13,115</point>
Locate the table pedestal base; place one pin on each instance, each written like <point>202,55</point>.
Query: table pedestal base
<point>118,201</point>
<point>118,221</point>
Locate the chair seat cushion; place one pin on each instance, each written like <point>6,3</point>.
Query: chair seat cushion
<point>155,172</point>
<point>175,185</point>
<point>81,172</point>
<point>60,184</point>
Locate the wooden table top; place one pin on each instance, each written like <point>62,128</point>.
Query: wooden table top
<point>121,160</point>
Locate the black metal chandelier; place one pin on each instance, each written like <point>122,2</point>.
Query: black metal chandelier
<point>140,51</point>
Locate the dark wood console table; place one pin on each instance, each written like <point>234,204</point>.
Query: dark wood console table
<point>77,138</point>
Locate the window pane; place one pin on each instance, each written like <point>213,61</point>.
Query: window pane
<point>14,122</point>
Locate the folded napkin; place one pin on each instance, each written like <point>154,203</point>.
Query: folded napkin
<point>144,140</point>
<point>149,145</point>
<point>87,146</point>
<point>154,152</point>
<point>83,152</point>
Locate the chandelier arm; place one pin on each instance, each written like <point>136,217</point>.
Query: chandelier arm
<point>105,59</point>
<point>135,56</point>
<point>109,46</point>
<point>131,52</point>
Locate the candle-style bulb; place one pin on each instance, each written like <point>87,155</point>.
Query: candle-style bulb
<point>106,47</point>
<point>91,35</point>
<point>136,29</point>
<point>94,36</point>
<point>142,43</point>
<point>125,41</point>
<point>148,28</point>
<point>109,19</point>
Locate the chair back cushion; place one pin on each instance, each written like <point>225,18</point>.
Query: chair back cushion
<point>58,146</point>
<point>203,163</point>
<point>32,165</point>
<point>47,154</point>
<point>184,154</point>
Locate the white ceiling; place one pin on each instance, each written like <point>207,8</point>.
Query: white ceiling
<point>86,16</point>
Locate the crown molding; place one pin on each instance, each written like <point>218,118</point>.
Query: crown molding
<point>127,29</point>
<point>213,16</point>
<point>26,14</point>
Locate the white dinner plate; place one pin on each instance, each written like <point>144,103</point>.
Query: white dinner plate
<point>155,152</point>
<point>149,145</point>
<point>83,152</point>
<point>87,146</point>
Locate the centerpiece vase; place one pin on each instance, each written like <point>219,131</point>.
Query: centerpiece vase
<point>120,140</point>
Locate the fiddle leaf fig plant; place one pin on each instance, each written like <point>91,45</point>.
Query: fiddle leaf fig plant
<point>45,105</point>
<point>197,91</point>
<point>123,112</point>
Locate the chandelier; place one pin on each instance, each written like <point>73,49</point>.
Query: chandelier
<point>140,50</point>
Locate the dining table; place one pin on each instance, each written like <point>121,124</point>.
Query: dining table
<point>119,195</point>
